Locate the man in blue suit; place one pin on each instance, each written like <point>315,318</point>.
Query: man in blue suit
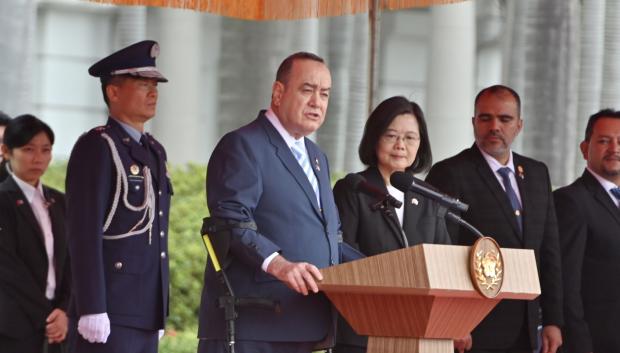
<point>118,197</point>
<point>269,173</point>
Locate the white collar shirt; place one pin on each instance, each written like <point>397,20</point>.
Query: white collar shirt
<point>495,165</point>
<point>38,204</point>
<point>607,185</point>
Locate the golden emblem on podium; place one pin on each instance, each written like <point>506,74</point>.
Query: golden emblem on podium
<point>486,267</point>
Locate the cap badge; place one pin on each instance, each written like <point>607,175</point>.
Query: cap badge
<point>155,50</point>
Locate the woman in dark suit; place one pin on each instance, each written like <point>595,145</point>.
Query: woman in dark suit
<point>395,139</point>
<point>34,268</point>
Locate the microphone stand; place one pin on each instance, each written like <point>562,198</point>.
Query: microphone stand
<point>460,221</point>
<point>383,205</point>
<point>228,301</point>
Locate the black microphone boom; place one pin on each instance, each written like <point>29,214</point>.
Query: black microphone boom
<point>405,181</point>
<point>360,184</point>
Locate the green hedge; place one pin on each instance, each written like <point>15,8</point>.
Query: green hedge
<point>187,253</point>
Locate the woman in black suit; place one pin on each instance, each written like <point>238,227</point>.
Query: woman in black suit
<point>34,268</point>
<point>395,139</point>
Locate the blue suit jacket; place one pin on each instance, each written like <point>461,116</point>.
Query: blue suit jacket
<point>127,278</point>
<point>253,176</point>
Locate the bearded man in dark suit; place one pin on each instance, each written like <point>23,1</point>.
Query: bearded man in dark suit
<point>510,200</point>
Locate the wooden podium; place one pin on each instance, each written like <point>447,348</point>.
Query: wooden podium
<point>418,299</point>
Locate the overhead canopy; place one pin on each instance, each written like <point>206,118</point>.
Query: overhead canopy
<point>281,9</point>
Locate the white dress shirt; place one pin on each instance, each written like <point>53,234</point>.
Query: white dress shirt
<point>290,141</point>
<point>607,185</point>
<point>38,204</point>
<point>496,165</point>
<point>400,196</point>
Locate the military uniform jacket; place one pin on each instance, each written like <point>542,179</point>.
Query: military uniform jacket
<point>589,224</point>
<point>468,177</point>
<point>127,277</point>
<point>24,263</point>
<point>253,176</point>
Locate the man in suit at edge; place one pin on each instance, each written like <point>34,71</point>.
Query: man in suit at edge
<point>269,173</point>
<point>118,198</point>
<point>4,169</point>
<point>589,224</point>
<point>510,200</point>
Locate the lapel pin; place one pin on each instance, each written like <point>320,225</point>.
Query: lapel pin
<point>19,202</point>
<point>49,202</point>
<point>414,201</point>
<point>520,172</point>
<point>125,139</point>
<point>134,169</point>
<point>316,164</point>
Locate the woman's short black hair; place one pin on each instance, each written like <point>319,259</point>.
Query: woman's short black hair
<point>23,128</point>
<point>378,122</point>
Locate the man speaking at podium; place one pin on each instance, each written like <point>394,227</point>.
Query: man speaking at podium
<point>510,200</point>
<point>268,173</point>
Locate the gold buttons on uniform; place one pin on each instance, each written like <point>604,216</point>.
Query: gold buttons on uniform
<point>517,213</point>
<point>162,234</point>
<point>163,254</point>
<point>161,213</point>
<point>118,265</point>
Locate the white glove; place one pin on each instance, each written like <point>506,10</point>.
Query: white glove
<point>95,328</point>
<point>161,334</point>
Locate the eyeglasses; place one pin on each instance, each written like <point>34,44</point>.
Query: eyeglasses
<point>409,140</point>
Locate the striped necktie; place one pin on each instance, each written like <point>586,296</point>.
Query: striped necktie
<point>616,192</point>
<point>504,172</point>
<point>299,152</point>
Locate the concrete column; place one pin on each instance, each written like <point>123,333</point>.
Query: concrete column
<point>185,121</point>
<point>130,25</point>
<point>450,80</point>
<point>18,25</point>
<point>610,95</point>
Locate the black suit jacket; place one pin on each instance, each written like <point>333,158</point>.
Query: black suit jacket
<point>589,224</point>
<point>468,177</point>
<point>24,263</point>
<point>376,232</point>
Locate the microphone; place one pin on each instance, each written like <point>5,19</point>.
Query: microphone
<point>360,184</point>
<point>405,181</point>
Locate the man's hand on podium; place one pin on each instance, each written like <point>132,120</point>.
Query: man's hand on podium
<point>301,277</point>
<point>463,344</point>
<point>551,339</point>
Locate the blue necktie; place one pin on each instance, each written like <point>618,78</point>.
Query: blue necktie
<point>298,150</point>
<point>504,172</point>
<point>615,192</point>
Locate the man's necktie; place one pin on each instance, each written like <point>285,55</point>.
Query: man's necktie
<point>145,143</point>
<point>616,192</point>
<point>298,151</point>
<point>504,172</point>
